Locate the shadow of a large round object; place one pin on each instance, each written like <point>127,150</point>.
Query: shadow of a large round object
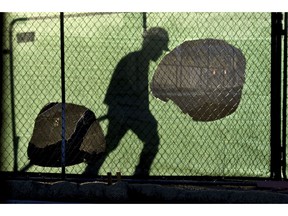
<point>84,138</point>
<point>204,78</point>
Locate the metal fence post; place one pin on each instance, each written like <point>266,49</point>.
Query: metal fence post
<point>284,114</point>
<point>12,86</point>
<point>63,146</point>
<point>1,74</point>
<point>275,139</point>
<point>144,15</point>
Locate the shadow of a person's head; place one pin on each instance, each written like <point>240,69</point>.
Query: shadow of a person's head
<point>155,41</point>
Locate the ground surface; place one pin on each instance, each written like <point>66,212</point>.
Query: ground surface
<point>28,191</point>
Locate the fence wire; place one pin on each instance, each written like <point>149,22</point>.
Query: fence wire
<point>175,94</point>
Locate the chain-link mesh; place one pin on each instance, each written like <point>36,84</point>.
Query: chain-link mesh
<point>109,68</point>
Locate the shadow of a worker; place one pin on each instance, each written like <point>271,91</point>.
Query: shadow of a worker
<point>127,98</point>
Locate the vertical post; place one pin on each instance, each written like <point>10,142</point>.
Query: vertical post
<point>284,114</point>
<point>1,77</point>
<point>144,21</point>
<point>109,178</point>
<point>12,92</point>
<point>63,117</point>
<point>275,138</point>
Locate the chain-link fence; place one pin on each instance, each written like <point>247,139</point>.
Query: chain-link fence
<point>175,94</point>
